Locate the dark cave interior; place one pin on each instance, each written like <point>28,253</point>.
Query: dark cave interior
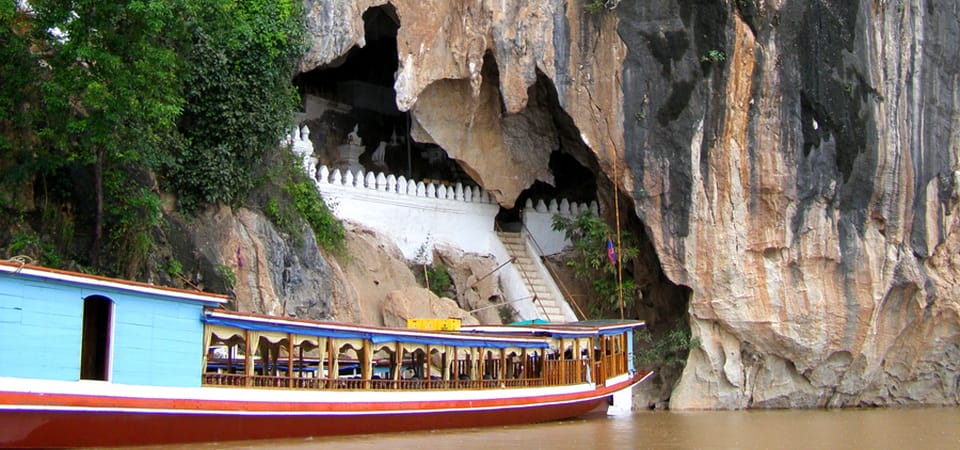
<point>357,91</point>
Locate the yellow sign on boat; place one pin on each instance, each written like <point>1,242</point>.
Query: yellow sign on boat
<point>434,324</point>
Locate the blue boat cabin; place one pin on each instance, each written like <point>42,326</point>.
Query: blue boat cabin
<point>65,326</point>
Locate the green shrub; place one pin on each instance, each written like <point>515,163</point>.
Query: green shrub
<point>229,276</point>
<point>28,243</point>
<point>326,227</point>
<point>713,56</point>
<point>439,280</point>
<point>669,348</point>
<point>589,235</point>
<point>174,269</point>
<point>287,196</point>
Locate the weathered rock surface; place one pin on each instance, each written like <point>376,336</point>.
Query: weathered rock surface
<point>456,97</point>
<point>476,282</point>
<point>270,275</point>
<point>802,186</point>
<point>371,285</point>
<point>416,302</point>
<point>793,163</point>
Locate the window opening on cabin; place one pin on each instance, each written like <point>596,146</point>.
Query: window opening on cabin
<point>95,347</point>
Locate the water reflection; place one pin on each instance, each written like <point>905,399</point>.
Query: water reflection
<point>927,428</point>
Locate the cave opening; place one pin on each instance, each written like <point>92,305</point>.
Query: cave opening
<point>355,94</point>
<point>578,177</point>
<point>572,164</point>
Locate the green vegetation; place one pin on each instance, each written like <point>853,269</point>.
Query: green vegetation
<point>594,6</point>
<point>589,235</point>
<point>669,349</point>
<point>439,280</point>
<point>102,103</point>
<point>298,199</point>
<point>327,229</point>
<point>174,269</point>
<point>241,100</point>
<point>27,244</point>
<point>228,275</point>
<point>714,56</point>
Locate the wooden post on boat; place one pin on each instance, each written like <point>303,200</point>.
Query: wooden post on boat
<point>503,364</point>
<point>523,364</point>
<point>289,359</point>
<point>426,374</point>
<point>578,358</point>
<point>366,363</point>
<point>603,359</point>
<point>397,364</point>
<point>248,358</point>
<point>563,364</point>
<point>331,362</point>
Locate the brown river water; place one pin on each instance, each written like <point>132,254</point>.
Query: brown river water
<point>882,428</point>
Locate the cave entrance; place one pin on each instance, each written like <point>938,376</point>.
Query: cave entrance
<point>572,164</point>
<point>571,181</point>
<point>578,178</point>
<point>356,92</point>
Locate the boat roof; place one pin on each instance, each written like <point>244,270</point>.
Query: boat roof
<point>261,322</point>
<point>39,272</point>
<point>584,328</point>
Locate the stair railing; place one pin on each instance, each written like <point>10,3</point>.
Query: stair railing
<point>528,282</point>
<point>553,274</point>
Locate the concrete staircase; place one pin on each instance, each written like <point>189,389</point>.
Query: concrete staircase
<point>548,307</point>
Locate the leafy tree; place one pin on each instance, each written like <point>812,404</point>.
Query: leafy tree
<point>114,92</point>
<point>589,235</point>
<point>241,101</point>
<point>103,93</point>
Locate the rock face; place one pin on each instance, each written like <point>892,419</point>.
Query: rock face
<point>240,251</point>
<point>802,185</point>
<point>459,62</point>
<point>417,302</point>
<point>794,163</point>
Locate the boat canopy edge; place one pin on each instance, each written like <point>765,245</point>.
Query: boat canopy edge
<point>376,335</point>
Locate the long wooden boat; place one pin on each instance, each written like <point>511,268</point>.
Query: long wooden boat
<point>92,361</point>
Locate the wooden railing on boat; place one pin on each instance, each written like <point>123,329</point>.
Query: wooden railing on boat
<point>260,381</point>
<point>246,361</point>
<point>555,373</point>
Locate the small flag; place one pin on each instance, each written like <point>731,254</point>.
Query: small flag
<point>611,253</point>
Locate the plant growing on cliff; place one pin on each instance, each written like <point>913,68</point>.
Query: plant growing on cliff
<point>589,235</point>
<point>327,229</point>
<point>439,280</point>
<point>298,198</point>
<point>92,92</point>
<point>595,6</point>
<point>240,103</point>
<point>713,56</point>
<point>228,275</point>
<point>99,93</point>
<point>667,349</point>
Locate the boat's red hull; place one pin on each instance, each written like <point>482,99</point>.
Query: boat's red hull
<point>57,420</point>
<point>80,429</point>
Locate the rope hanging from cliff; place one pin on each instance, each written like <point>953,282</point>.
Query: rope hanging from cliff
<point>616,209</point>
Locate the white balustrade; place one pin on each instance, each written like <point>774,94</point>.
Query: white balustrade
<point>416,214</point>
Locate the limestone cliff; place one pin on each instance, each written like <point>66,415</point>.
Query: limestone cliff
<point>793,163</point>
